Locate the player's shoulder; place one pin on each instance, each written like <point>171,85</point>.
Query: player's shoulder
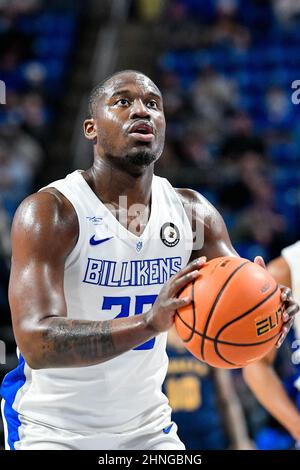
<point>191,197</point>
<point>46,211</point>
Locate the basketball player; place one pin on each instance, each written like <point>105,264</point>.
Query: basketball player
<point>261,376</point>
<point>98,259</point>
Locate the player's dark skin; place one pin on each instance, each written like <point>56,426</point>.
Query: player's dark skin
<point>45,230</point>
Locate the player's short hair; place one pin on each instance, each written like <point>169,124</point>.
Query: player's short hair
<point>98,90</point>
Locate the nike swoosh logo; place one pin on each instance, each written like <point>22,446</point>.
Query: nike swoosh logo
<point>168,429</point>
<point>97,242</point>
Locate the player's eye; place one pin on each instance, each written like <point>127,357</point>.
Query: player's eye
<point>122,102</point>
<point>152,104</point>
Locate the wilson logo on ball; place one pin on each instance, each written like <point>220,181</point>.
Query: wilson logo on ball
<point>269,323</point>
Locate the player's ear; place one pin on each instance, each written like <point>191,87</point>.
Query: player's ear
<point>90,129</point>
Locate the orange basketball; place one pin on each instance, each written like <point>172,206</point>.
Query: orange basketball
<point>235,316</point>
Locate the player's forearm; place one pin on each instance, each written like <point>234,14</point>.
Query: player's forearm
<point>268,389</point>
<point>231,409</point>
<point>63,342</point>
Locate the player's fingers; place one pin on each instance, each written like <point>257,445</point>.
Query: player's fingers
<point>182,302</point>
<point>196,264</point>
<point>285,330</point>
<point>291,307</point>
<point>286,294</point>
<point>282,337</point>
<point>290,312</point>
<point>178,284</point>
<point>259,260</point>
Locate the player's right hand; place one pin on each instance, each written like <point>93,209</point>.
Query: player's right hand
<point>161,317</point>
<point>291,307</point>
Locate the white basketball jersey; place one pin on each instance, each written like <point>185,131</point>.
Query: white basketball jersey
<point>291,254</point>
<point>110,273</point>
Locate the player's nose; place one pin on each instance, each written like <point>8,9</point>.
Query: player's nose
<point>139,110</point>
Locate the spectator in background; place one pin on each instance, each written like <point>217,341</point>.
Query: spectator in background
<point>22,144</point>
<point>34,115</point>
<point>240,139</point>
<point>20,159</point>
<point>226,7</point>
<point>148,10</point>
<point>177,111</point>
<point>242,155</point>
<point>213,97</point>
<point>176,106</point>
<point>226,30</point>
<point>259,221</point>
<point>286,10</point>
<point>14,176</point>
<point>194,150</point>
<point>279,110</point>
<point>12,8</point>
<point>238,173</point>
<point>169,162</point>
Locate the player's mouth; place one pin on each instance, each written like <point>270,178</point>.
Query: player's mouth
<point>142,131</point>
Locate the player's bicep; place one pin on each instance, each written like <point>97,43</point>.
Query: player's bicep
<point>35,289</point>
<point>211,238</point>
<point>216,238</point>
<point>39,249</point>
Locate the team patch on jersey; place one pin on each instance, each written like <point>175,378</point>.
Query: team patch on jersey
<point>169,234</point>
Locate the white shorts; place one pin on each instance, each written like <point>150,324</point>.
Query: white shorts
<point>34,436</point>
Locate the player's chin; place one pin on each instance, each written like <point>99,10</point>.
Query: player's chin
<point>141,156</point>
<point>138,151</point>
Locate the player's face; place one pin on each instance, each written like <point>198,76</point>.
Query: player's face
<point>130,121</point>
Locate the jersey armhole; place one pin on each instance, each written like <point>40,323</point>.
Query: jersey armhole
<point>73,256</point>
<point>184,217</point>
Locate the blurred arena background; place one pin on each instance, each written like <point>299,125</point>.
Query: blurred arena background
<point>225,68</point>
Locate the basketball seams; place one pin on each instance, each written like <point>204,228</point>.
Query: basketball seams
<point>215,304</point>
<point>247,312</point>
<point>237,344</point>
<point>194,311</point>
<point>227,343</point>
<point>194,315</point>
<point>190,326</point>
<point>216,341</point>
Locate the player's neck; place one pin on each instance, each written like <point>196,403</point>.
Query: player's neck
<point>110,183</point>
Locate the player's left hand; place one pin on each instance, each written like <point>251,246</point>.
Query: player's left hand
<point>291,306</point>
